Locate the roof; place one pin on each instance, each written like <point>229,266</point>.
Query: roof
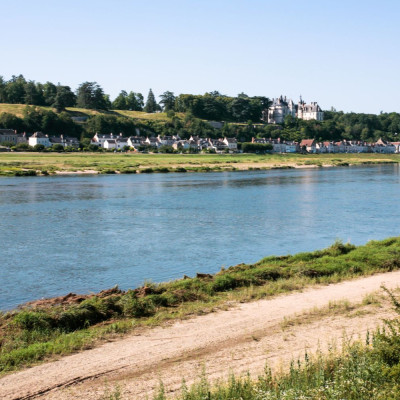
<point>307,142</point>
<point>39,135</point>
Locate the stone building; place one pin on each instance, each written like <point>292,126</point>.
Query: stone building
<point>281,107</point>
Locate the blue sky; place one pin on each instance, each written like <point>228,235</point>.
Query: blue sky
<point>340,53</point>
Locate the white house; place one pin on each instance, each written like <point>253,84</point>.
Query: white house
<point>231,143</point>
<point>110,144</point>
<point>39,138</point>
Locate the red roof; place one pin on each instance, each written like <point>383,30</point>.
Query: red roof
<point>307,142</point>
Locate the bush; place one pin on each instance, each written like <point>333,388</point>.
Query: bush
<point>261,148</point>
<point>136,307</point>
<point>29,172</point>
<point>34,321</point>
<point>38,147</point>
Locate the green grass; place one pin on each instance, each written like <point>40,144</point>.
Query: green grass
<point>32,334</point>
<point>11,163</point>
<point>17,109</point>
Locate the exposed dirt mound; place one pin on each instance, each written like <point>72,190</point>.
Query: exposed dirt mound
<point>70,298</point>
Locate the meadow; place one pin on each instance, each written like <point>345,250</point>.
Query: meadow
<point>17,109</point>
<point>50,163</point>
<point>48,328</point>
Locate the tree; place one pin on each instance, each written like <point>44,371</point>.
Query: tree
<point>256,147</point>
<point>11,121</point>
<point>15,90</point>
<point>57,147</point>
<point>120,102</point>
<point>64,98</point>
<point>168,101</point>
<point>49,93</point>
<point>135,101</point>
<point>2,90</point>
<point>31,93</point>
<point>38,147</point>
<point>151,104</point>
<point>90,95</point>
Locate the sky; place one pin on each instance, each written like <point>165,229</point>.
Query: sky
<point>342,54</point>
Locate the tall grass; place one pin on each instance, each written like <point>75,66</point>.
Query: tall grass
<point>31,334</point>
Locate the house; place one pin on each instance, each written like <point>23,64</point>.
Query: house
<point>166,140</point>
<point>136,141</point>
<point>231,143</point>
<point>396,147</point>
<point>65,141</point>
<point>292,147</point>
<point>39,138</point>
<point>110,144</point>
<point>259,140</point>
<point>99,139</point>
<point>217,145</point>
<point>308,145</point>
<point>8,136</point>
<point>330,147</point>
<point>382,146</point>
<point>151,141</point>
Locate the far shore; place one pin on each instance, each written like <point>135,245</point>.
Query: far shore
<point>43,164</point>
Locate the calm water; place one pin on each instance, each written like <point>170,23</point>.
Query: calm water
<point>82,234</point>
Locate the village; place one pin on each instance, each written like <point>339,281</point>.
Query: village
<point>280,109</point>
<point>110,142</point>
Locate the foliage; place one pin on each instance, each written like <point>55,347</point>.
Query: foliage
<point>91,95</point>
<point>151,104</point>
<point>132,101</point>
<point>256,147</point>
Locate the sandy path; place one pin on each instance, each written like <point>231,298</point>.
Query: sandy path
<point>240,339</point>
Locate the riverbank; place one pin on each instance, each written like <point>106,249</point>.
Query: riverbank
<point>324,319</point>
<point>31,164</point>
<point>47,329</point>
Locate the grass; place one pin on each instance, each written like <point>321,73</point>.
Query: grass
<point>334,308</point>
<point>11,163</point>
<point>17,109</point>
<point>34,333</point>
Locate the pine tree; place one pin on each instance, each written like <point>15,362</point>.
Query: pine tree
<point>151,104</point>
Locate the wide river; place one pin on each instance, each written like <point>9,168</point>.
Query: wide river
<point>87,233</point>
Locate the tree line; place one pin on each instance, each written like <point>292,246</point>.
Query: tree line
<point>242,115</point>
<point>90,95</point>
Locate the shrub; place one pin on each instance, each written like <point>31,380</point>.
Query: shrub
<point>34,321</point>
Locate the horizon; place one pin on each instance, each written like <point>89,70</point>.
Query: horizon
<point>343,56</point>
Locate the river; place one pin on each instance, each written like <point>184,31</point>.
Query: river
<point>81,234</point>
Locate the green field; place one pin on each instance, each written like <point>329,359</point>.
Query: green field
<point>50,163</point>
<point>17,109</point>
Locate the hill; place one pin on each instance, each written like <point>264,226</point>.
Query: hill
<point>17,110</point>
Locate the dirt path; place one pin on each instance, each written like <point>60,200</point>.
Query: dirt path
<point>240,339</point>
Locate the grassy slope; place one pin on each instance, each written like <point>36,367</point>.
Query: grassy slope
<point>10,163</point>
<point>17,109</point>
<point>33,334</point>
